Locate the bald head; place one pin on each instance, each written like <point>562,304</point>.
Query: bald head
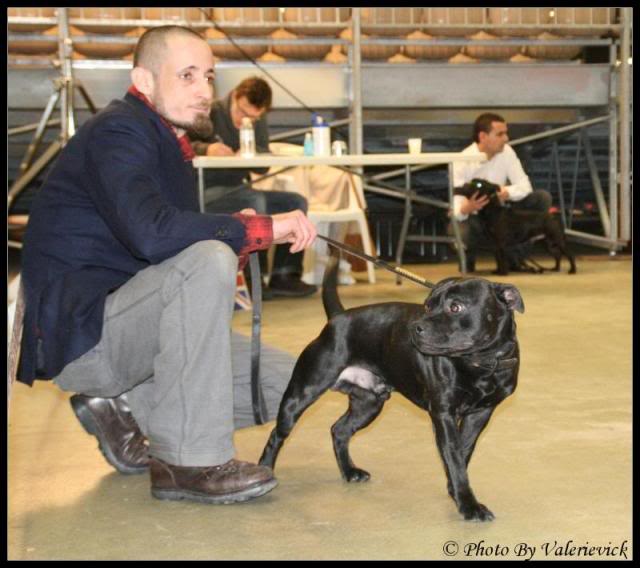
<point>152,45</point>
<point>173,68</point>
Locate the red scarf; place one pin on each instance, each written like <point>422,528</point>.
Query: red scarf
<point>185,146</point>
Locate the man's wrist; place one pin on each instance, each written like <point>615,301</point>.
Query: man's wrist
<point>258,232</point>
<point>465,208</point>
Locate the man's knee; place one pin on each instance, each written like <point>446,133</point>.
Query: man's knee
<point>285,201</point>
<point>538,200</point>
<point>545,199</point>
<point>260,202</point>
<point>214,258</point>
<point>299,202</point>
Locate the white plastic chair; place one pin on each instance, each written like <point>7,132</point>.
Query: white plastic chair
<point>353,212</point>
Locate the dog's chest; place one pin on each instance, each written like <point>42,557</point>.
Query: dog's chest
<point>478,390</point>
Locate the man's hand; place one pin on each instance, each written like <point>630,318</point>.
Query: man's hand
<point>474,203</point>
<point>219,149</point>
<point>293,227</point>
<point>503,195</point>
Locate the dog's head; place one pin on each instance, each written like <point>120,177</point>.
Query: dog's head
<point>480,186</point>
<point>465,315</point>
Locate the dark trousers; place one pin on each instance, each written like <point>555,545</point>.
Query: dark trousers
<point>472,230</point>
<point>220,199</point>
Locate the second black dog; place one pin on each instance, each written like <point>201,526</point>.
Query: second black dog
<point>456,357</point>
<point>509,227</point>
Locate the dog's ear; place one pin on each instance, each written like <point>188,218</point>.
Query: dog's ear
<point>510,295</point>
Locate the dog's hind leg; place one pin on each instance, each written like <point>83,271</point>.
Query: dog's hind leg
<point>364,406</point>
<point>555,252</point>
<point>560,249</point>
<point>304,389</point>
<point>292,406</point>
<point>287,417</point>
<point>557,240</point>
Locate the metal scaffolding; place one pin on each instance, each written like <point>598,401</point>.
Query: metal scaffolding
<point>360,77</point>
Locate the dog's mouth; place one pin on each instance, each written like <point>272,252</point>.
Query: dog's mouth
<point>449,351</point>
<point>430,348</point>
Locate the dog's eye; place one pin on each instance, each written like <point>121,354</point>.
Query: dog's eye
<point>455,307</point>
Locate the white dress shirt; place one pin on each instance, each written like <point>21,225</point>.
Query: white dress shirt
<point>502,167</point>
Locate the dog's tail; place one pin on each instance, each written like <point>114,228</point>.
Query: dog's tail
<point>330,299</point>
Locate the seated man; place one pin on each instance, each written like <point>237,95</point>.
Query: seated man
<point>129,288</point>
<point>502,166</point>
<point>229,191</point>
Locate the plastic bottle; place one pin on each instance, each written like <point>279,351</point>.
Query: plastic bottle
<point>308,144</point>
<point>321,136</point>
<point>247,139</point>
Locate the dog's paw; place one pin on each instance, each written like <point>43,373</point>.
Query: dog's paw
<point>357,475</point>
<point>477,512</point>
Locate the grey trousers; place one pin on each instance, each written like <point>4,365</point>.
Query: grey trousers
<point>167,343</point>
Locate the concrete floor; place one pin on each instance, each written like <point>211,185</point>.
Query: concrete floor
<point>554,464</point>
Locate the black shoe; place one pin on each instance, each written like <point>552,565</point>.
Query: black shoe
<point>120,440</point>
<point>267,294</point>
<point>290,286</point>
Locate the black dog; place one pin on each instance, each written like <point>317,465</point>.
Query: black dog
<point>456,357</point>
<point>511,227</point>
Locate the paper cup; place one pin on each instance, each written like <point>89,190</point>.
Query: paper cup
<point>415,145</point>
<point>339,148</point>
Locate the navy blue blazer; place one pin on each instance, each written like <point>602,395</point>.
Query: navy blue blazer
<point>119,198</point>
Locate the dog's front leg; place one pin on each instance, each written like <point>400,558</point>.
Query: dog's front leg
<point>470,428</point>
<point>450,444</point>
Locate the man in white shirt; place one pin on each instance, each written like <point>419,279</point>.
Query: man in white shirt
<point>502,168</point>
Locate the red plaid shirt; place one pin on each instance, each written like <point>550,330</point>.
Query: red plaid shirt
<point>258,228</point>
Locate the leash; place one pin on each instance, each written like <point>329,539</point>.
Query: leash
<point>381,263</point>
<point>257,398</point>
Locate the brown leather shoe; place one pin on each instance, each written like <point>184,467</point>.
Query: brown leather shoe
<point>120,440</point>
<point>232,482</point>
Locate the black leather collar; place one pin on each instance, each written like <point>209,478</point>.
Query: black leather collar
<point>495,361</point>
<point>509,363</point>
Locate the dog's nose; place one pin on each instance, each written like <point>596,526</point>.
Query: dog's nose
<point>419,329</point>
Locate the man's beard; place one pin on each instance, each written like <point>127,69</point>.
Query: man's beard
<point>201,128</point>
